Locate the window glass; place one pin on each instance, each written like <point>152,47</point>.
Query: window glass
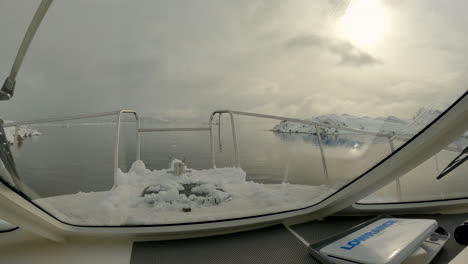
<point>421,183</point>
<point>341,84</point>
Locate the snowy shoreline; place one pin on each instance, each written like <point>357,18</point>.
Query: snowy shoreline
<point>23,132</point>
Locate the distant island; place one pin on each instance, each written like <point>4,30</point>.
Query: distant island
<point>390,125</point>
<point>23,132</point>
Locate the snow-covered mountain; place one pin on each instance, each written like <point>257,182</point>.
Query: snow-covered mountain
<point>390,125</point>
<point>386,125</point>
<point>23,132</point>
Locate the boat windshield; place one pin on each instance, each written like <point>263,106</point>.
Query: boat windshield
<point>233,109</point>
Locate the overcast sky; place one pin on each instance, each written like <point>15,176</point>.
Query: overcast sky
<point>183,59</point>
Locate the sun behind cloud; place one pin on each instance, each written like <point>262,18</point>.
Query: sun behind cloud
<point>364,23</point>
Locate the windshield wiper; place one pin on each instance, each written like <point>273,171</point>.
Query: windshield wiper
<point>454,163</point>
<point>9,85</point>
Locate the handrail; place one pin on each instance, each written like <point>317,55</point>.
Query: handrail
<point>296,120</point>
<point>391,137</point>
<point>234,136</point>
<point>397,180</point>
<point>170,129</point>
<point>322,154</point>
<point>17,124</point>
<point>139,130</point>
<point>64,118</point>
<point>316,124</point>
<point>117,137</point>
<point>360,131</point>
<point>282,118</point>
<point>234,133</point>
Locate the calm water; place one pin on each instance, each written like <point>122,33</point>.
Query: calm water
<point>70,159</point>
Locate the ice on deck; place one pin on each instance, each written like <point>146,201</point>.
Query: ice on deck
<point>145,197</point>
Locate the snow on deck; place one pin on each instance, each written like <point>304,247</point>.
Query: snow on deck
<point>145,197</point>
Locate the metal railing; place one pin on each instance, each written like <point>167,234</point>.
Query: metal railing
<point>173,129</point>
<point>281,118</point>
<point>119,113</point>
<point>391,138</point>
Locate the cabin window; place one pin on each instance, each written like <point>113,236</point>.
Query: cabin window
<point>421,184</point>
<point>317,92</point>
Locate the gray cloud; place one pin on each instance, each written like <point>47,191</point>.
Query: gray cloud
<point>180,58</point>
<point>349,55</point>
<point>338,7</point>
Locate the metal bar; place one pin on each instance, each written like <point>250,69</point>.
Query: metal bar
<point>138,147</point>
<point>397,180</point>
<point>359,131</point>
<point>66,118</point>
<point>116,144</point>
<point>173,129</point>
<point>75,117</point>
<point>9,86</point>
<point>213,155</point>
<point>234,138</point>
<point>15,139</point>
<point>324,163</point>
<point>117,137</point>
<point>219,132</point>
<point>31,31</point>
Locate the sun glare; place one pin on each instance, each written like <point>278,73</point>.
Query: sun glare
<point>364,22</point>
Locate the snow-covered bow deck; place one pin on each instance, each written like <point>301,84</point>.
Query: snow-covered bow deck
<point>223,193</point>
